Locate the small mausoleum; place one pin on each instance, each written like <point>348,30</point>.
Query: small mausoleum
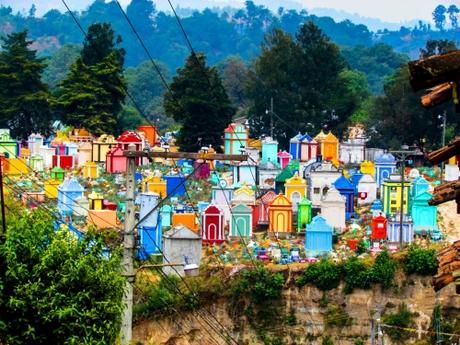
<point>318,237</point>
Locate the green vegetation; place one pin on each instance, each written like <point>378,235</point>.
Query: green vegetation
<point>25,102</point>
<point>383,270</point>
<point>55,288</point>
<point>357,275</point>
<point>403,318</point>
<point>327,340</point>
<point>258,284</point>
<point>91,95</point>
<point>325,275</point>
<point>421,261</point>
<point>169,295</point>
<point>200,103</point>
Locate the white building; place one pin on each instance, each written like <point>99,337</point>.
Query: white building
<point>320,179</point>
<point>367,190</point>
<point>333,208</point>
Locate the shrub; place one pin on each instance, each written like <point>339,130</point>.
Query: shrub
<point>421,261</point>
<point>258,284</point>
<point>383,270</point>
<point>325,275</point>
<point>357,275</point>
<point>402,319</point>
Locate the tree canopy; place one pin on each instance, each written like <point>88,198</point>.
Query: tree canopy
<point>199,102</point>
<point>25,102</point>
<point>54,288</point>
<point>92,94</point>
<point>303,75</point>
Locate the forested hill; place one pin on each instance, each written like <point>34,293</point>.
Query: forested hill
<point>218,33</point>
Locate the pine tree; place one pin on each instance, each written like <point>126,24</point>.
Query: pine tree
<point>200,104</point>
<point>92,94</point>
<point>24,99</point>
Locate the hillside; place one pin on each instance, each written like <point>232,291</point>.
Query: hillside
<point>219,32</point>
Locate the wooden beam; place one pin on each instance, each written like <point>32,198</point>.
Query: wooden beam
<point>434,70</point>
<point>444,153</point>
<point>445,192</point>
<point>188,155</point>
<point>437,95</point>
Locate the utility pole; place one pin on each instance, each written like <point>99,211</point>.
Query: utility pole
<point>128,237</point>
<point>128,247</point>
<point>401,157</point>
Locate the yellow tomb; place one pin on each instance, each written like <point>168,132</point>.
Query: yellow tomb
<point>90,170</point>
<point>295,189</point>
<point>330,148</point>
<point>154,184</point>
<point>280,214</point>
<point>51,188</point>
<point>95,201</point>
<point>16,166</point>
<point>368,167</point>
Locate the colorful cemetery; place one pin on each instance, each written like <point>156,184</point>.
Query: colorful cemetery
<point>282,200</point>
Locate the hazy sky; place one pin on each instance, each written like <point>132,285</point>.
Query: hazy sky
<point>386,10</point>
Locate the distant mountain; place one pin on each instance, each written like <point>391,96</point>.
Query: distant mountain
<point>374,24</point>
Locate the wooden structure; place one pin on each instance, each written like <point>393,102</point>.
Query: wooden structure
<point>448,268</point>
<point>449,190</point>
<point>440,74</point>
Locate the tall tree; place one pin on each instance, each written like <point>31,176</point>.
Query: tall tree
<point>453,16</point>
<point>24,98</point>
<point>59,64</point>
<point>92,94</point>
<point>301,75</point>
<point>55,289</point>
<point>434,47</point>
<point>274,75</point>
<point>141,13</point>
<point>199,102</point>
<point>396,116</point>
<point>439,17</point>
